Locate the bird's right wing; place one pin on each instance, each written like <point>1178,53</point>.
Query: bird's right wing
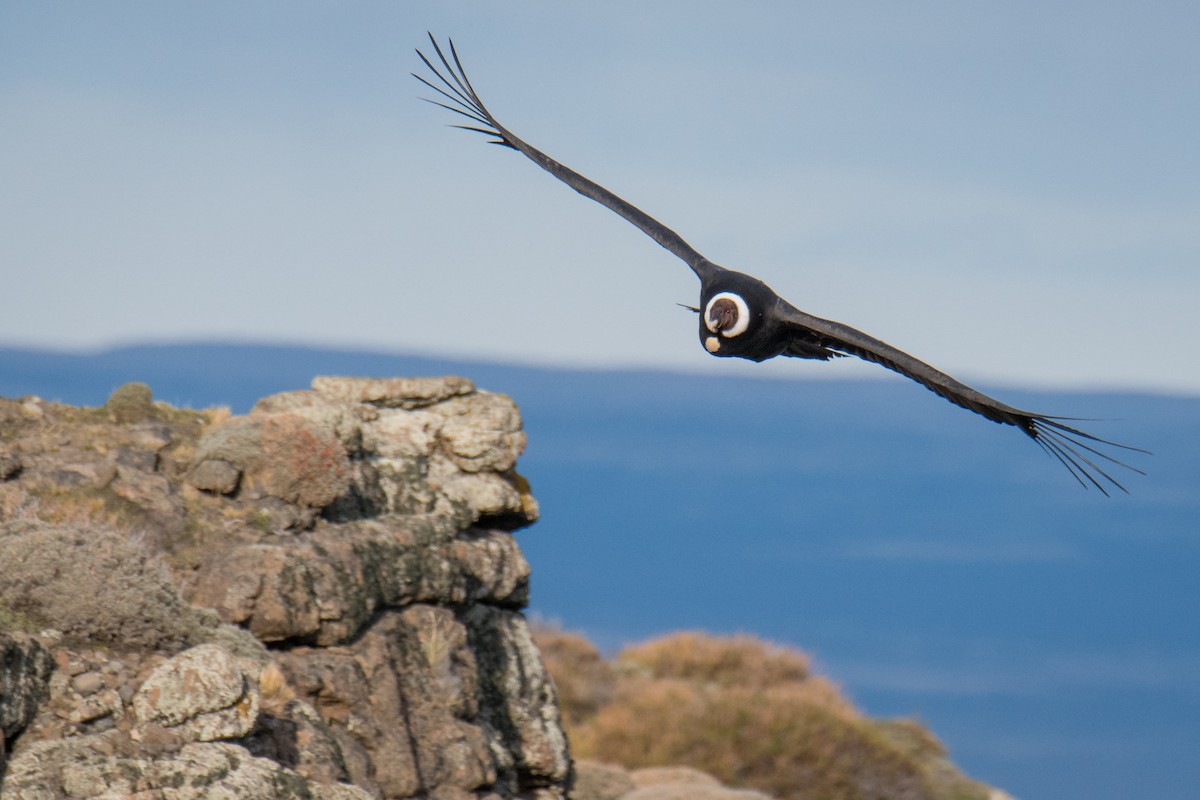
<point>1078,451</point>
<point>463,100</point>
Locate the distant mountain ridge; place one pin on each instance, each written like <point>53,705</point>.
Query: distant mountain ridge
<point>185,366</point>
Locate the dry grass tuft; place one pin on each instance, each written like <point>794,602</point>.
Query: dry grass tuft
<point>438,634</point>
<point>274,690</point>
<point>15,502</point>
<point>92,583</point>
<point>217,415</point>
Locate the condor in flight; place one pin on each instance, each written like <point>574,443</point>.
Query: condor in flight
<point>741,316</point>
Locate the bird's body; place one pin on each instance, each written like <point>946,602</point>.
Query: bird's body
<point>742,317</point>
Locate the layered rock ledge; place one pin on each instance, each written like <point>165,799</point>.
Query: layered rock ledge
<point>319,599</point>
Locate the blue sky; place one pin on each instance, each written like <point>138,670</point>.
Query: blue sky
<point>1009,191</point>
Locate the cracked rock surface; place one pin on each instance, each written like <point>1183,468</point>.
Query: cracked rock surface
<point>319,599</point>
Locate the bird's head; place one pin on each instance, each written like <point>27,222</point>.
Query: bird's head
<point>735,318</point>
<point>726,314</point>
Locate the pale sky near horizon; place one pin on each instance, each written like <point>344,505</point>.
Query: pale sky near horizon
<point>1008,191</point>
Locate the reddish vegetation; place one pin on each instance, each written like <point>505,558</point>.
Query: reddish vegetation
<point>746,711</point>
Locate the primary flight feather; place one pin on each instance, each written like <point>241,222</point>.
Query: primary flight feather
<point>740,316</point>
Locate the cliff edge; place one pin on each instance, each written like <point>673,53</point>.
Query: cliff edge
<point>319,599</point>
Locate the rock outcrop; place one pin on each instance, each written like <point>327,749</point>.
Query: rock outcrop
<point>320,599</point>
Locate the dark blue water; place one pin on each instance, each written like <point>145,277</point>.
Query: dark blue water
<point>935,565</point>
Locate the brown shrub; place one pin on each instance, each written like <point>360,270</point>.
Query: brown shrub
<point>132,402</point>
<point>919,743</point>
<point>776,739</point>
<point>741,660</point>
<point>746,711</point>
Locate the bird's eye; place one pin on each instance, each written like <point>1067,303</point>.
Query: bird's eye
<point>727,314</point>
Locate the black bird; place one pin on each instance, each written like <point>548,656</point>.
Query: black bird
<point>741,316</point>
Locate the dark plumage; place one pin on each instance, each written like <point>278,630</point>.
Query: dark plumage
<point>740,316</point>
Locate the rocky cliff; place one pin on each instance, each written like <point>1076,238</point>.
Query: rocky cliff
<point>320,599</point>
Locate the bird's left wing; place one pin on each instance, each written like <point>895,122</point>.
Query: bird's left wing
<point>457,89</point>
<point>1078,451</point>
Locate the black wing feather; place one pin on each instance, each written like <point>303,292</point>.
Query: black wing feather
<point>458,88</point>
<point>1069,445</point>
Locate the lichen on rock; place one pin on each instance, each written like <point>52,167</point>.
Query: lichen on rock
<point>363,528</point>
<point>201,694</point>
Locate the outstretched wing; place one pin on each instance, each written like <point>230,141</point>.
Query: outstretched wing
<point>1078,451</point>
<point>462,99</point>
